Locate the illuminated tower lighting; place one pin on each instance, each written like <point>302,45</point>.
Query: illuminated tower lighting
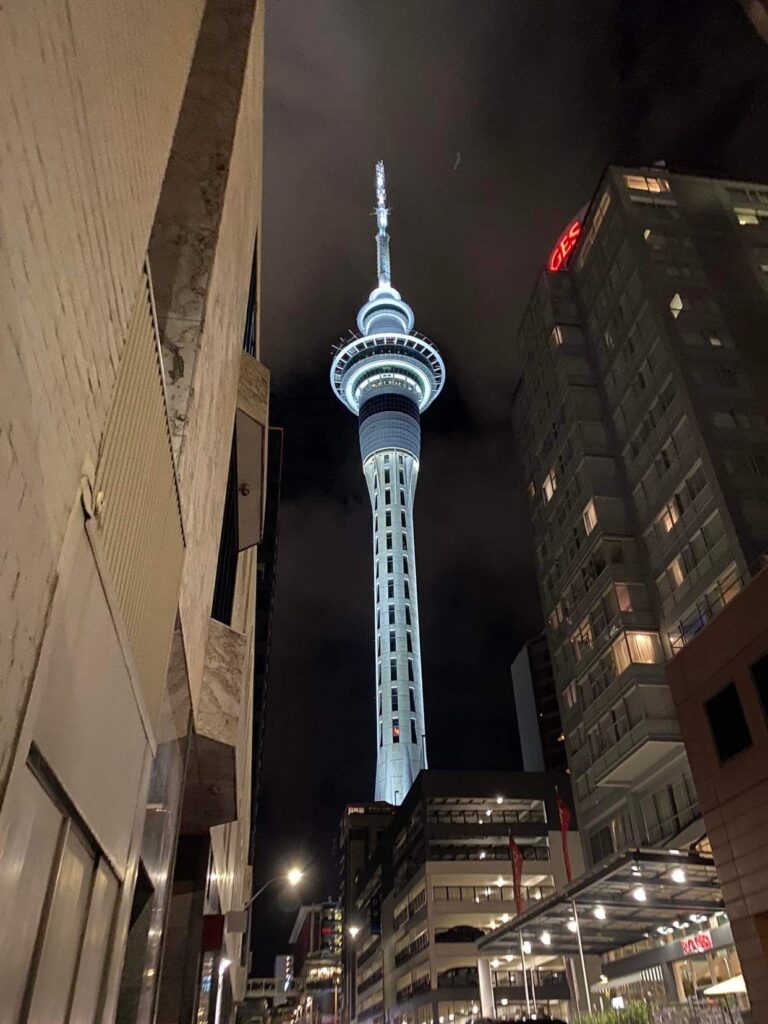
<point>387,375</point>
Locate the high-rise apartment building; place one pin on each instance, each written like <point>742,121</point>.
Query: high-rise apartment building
<point>133,419</point>
<point>542,743</point>
<point>639,414</point>
<point>388,375</point>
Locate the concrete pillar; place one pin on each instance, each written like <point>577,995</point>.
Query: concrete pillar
<point>670,984</point>
<point>487,1002</point>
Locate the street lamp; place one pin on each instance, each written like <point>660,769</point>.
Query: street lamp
<point>354,931</point>
<point>293,877</point>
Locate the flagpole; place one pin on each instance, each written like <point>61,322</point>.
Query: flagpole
<point>525,974</point>
<point>581,957</point>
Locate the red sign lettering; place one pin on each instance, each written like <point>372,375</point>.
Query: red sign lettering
<point>566,243</point>
<point>698,943</point>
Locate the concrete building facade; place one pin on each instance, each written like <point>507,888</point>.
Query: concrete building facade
<point>720,687</point>
<point>638,415</point>
<point>130,202</point>
<point>440,880</point>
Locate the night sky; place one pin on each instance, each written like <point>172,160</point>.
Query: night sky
<point>531,98</point>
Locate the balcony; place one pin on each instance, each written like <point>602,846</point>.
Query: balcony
<point>212,783</point>
<point>413,988</point>
<point>419,943</point>
<point>637,752</point>
<point>370,981</point>
<point>251,420</point>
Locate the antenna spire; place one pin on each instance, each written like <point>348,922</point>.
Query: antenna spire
<point>382,220</point>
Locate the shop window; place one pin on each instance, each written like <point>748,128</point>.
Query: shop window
<point>759,672</point>
<point>728,723</point>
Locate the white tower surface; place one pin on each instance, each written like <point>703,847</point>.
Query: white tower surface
<point>388,375</point>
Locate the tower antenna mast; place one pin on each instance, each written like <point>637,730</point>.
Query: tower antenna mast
<point>382,220</point>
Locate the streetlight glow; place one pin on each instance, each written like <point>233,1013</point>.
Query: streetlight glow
<point>294,876</point>
<point>353,930</point>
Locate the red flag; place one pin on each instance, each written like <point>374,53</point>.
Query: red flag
<point>516,856</point>
<point>565,820</point>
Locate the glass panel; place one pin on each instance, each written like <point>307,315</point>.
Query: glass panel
<point>30,831</point>
<point>95,945</point>
<point>63,933</point>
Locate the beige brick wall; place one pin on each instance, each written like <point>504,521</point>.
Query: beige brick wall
<point>90,98</point>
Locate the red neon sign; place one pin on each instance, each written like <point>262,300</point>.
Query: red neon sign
<point>566,243</point>
<point>698,943</point>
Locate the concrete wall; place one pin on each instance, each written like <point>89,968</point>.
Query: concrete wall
<point>734,794</point>
<point>90,98</point>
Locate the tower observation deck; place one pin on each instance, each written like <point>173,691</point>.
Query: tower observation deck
<point>387,375</point>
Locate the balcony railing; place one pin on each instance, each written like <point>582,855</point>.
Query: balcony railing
<point>489,893</point>
<point>367,953</point>
<point>496,817</point>
<point>439,852</point>
<point>413,988</point>
<point>370,981</point>
<point>414,947</point>
<point>707,608</point>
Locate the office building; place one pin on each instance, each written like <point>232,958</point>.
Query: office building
<point>542,743</point>
<point>638,414</point>
<point>440,880</point>
<point>362,828</point>
<point>388,375</point>
<point>315,945</point>
<point>719,683</point>
<point>133,439</point>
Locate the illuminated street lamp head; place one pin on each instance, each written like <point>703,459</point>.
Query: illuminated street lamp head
<point>354,930</point>
<point>294,876</point>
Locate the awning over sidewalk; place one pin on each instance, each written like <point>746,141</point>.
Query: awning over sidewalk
<point>627,898</point>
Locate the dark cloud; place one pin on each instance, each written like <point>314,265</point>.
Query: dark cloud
<point>537,96</point>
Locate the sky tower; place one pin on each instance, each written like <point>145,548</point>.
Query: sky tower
<point>387,375</point>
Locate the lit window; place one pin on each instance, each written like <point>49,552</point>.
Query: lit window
<point>643,184</point>
<point>714,341</point>
<point>623,597</point>
<point>669,515</point>
<point>557,336</point>
<point>675,571</point>
<point>413,731</point>
<point>644,648</point>
<point>549,486</point>
<point>746,216</point>
<point>589,517</point>
<point>676,305</point>
<point>395,730</point>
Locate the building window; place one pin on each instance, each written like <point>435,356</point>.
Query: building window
<point>389,542</point>
<point>727,723</point>
<point>393,697</point>
<point>386,476</point>
<point>405,565</point>
<point>556,337</point>
<point>391,615</point>
<point>392,641</point>
<point>405,543</point>
<point>589,517</point>
<point>759,672</point>
<point>669,514</point>
<point>676,571</point>
<point>550,485</point>
<point>676,305</point>
<point>407,615</point>
<point>395,730</point>
<point>390,564</point>
<point>390,589</point>
<point>402,497</point>
<point>411,692</point>
<point>393,669</point>
<point>387,497</point>
<point>409,642</point>
<point>714,341</point>
<point>601,843</point>
<point>410,671</point>
<point>407,590</point>
<point>413,731</point>
<point>388,518</point>
<point>381,734</point>
<point>643,184</point>
<point>402,520</point>
<point>401,477</point>
<point>380,707</point>
<point>639,648</point>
